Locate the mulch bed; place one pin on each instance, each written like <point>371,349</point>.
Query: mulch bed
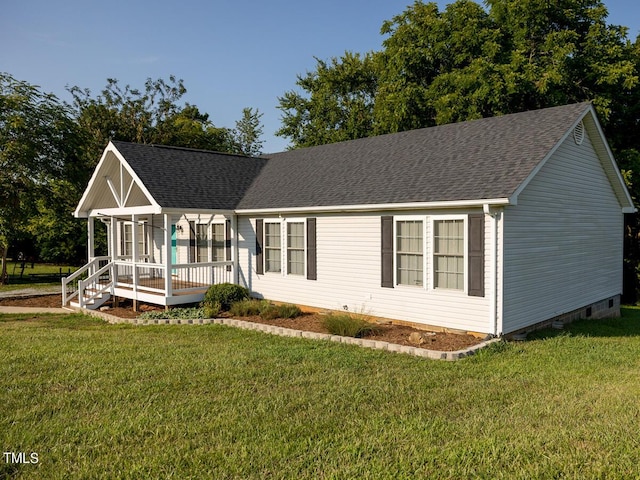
<point>311,322</point>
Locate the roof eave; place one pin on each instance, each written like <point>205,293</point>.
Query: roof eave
<point>375,207</point>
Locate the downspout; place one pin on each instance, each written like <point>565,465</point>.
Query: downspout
<point>494,322</point>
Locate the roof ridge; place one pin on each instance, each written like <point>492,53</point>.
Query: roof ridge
<point>187,149</point>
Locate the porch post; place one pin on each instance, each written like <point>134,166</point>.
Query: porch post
<point>90,239</point>
<point>168,291</point>
<point>234,249</point>
<point>134,259</point>
<point>114,239</point>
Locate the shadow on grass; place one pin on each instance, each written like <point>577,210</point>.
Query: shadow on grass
<point>628,325</point>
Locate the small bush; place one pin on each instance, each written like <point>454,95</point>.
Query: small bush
<point>270,313</point>
<point>248,307</point>
<point>182,313</point>
<point>212,310</point>
<point>349,325</point>
<point>289,310</point>
<point>225,294</point>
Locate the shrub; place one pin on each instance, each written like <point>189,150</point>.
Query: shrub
<point>289,310</point>
<point>224,294</point>
<point>248,307</point>
<point>183,313</point>
<point>349,325</point>
<point>270,313</point>
<point>212,310</point>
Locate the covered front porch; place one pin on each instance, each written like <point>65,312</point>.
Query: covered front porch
<point>167,259</point>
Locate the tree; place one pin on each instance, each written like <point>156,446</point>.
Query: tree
<point>37,136</point>
<point>152,115</point>
<point>339,105</point>
<point>468,62</point>
<point>248,132</point>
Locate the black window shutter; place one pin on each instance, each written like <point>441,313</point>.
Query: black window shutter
<point>387,251</point>
<point>312,272</point>
<point>227,243</point>
<point>192,242</point>
<point>259,237</point>
<point>476,255</point>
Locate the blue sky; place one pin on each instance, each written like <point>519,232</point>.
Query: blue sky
<point>231,54</point>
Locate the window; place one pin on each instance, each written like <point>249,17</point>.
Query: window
<point>217,242</point>
<point>295,248</point>
<point>448,254</point>
<point>126,241</point>
<point>143,235</point>
<point>409,252</point>
<point>202,243</point>
<point>272,247</point>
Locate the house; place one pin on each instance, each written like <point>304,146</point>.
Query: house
<point>488,226</point>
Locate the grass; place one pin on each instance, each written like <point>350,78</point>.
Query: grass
<point>119,401</point>
<point>16,282</point>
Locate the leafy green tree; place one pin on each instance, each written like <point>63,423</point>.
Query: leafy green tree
<point>37,140</point>
<point>248,132</point>
<point>152,115</point>
<point>466,62</point>
<point>339,105</point>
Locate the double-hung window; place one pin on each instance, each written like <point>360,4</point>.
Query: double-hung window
<point>272,247</point>
<point>295,248</point>
<point>126,240</point>
<point>217,242</point>
<point>202,242</point>
<point>448,254</point>
<point>410,252</point>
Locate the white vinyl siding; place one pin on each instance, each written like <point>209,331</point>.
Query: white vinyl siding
<point>448,254</point>
<point>272,247</point>
<point>349,276</point>
<point>563,241</point>
<point>295,248</point>
<point>409,252</point>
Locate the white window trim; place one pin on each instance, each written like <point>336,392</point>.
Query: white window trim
<point>465,259</point>
<point>303,221</point>
<point>143,229</point>
<point>224,239</point>
<point>279,222</point>
<point>410,218</point>
<point>284,245</point>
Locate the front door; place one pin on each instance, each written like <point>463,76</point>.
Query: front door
<point>174,245</point>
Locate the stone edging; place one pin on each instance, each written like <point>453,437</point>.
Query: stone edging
<point>288,332</point>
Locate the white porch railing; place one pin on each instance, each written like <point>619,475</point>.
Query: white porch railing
<point>70,284</point>
<point>102,276</point>
<point>184,277</point>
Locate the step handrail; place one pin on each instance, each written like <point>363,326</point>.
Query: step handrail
<point>91,280</point>
<point>66,298</point>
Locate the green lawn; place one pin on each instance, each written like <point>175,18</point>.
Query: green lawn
<point>18,281</point>
<point>208,401</point>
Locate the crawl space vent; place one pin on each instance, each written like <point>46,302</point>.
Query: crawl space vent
<point>578,133</point>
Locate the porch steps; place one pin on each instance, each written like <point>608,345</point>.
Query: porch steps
<point>94,303</point>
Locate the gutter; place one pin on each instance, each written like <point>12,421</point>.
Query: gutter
<point>375,207</point>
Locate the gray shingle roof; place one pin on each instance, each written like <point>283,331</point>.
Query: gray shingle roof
<point>480,159</point>
<point>188,178</point>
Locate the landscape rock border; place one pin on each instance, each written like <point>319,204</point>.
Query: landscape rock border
<point>288,332</point>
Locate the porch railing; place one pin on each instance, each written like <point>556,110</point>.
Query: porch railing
<point>184,277</point>
<point>70,284</point>
<point>101,276</point>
